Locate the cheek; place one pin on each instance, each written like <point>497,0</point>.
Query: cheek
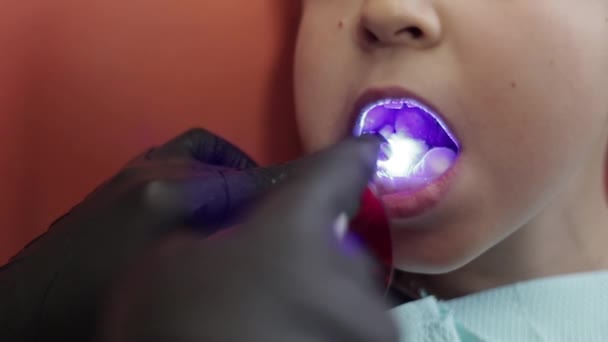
<point>322,78</point>
<point>532,108</point>
<point>535,101</point>
<point>606,176</point>
<point>316,113</point>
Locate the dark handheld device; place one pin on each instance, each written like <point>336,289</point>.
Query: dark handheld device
<point>371,227</point>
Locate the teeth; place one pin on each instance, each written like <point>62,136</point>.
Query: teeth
<point>435,162</point>
<point>385,152</point>
<point>409,122</point>
<point>394,105</point>
<point>416,152</point>
<point>402,153</point>
<point>374,119</point>
<point>387,131</point>
<point>401,124</point>
<point>431,166</point>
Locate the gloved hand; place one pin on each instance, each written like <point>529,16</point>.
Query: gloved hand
<point>282,276</point>
<point>53,289</point>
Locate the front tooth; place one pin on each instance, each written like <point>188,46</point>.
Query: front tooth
<point>394,105</point>
<point>387,131</point>
<point>441,160</point>
<point>409,122</point>
<point>374,119</point>
<point>401,125</point>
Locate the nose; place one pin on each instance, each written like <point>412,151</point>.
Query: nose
<point>414,23</point>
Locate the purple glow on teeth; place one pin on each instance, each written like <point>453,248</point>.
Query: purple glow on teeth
<point>420,148</point>
<point>403,155</point>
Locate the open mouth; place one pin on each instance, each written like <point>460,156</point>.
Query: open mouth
<point>419,149</point>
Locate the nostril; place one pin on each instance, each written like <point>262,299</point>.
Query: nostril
<point>413,31</point>
<point>373,37</point>
<point>370,36</point>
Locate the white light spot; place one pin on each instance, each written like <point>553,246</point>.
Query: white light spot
<point>341,226</point>
<point>405,153</point>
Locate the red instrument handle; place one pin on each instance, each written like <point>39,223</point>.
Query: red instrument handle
<point>371,227</point>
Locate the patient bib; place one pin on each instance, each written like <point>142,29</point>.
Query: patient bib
<point>571,308</point>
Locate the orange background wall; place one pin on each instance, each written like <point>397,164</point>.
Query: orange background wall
<point>84,85</point>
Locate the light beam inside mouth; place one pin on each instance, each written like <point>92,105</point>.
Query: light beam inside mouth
<point>401,153</point>
<point>419,146</point>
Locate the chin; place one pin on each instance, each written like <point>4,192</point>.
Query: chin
<point>431,267</point>
<point>437,250</point>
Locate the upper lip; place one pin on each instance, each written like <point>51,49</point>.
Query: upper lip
<point>372,95</point>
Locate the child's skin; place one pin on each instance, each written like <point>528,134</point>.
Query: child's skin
<point>524,86</point>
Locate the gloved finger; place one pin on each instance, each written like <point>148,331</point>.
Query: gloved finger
<point>212,197</point>
<point>323,187</point>
<point>363,319</point>
<point>241,190</point>
<point>205,147</point>
<point>358,263</point>
<point>217,198</point>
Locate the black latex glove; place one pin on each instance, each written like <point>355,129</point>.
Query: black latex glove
<point>282,276</point>
<point>53,290</point>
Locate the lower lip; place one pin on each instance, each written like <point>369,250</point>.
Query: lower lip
<point>403,205</point>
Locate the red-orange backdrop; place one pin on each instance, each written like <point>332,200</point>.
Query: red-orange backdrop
<point>84,85</point>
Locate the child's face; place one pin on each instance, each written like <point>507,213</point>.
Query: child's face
<point>523,85</point>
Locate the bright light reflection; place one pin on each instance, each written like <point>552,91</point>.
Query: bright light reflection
<point>403,153</point>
